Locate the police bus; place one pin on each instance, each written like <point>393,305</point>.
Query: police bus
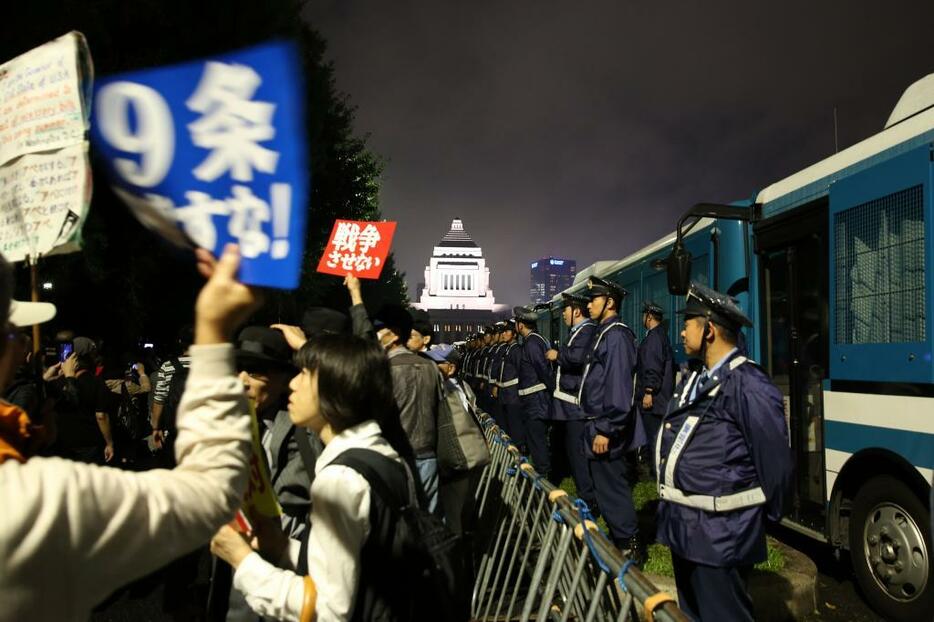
<point>834,266</point>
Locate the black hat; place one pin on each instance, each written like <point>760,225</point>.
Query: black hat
<point>264,348</point>
<point>525,314</point>
<point>489,330</point>
<point>500,327</point>
<point>421,323</point>
<point>324,321</point>
<point>653,308</point>
<point>702,301</point>
<point>602,287</point>
<point>395,318</point>
<point>510,324</point>
<point>574,300</point>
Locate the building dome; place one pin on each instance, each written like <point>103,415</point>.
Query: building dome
<point>457,276</point>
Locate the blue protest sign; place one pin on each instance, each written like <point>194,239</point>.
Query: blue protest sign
<point>213,151</point>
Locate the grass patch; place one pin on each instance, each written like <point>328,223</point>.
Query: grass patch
<point>658,555</point>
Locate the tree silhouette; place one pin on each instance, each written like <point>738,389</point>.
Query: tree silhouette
<point>126,283</point>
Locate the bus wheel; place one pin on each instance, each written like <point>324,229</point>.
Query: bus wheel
<point>890,544</point>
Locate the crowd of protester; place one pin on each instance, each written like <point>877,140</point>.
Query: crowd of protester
<point>126,468</point>
<point>127,473</point>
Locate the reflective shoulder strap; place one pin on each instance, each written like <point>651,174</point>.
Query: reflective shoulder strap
<point>684,435</point>
<point>596,342</point>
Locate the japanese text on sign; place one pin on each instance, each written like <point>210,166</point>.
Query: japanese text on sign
<point>359,248</point>
<point>217,151</point>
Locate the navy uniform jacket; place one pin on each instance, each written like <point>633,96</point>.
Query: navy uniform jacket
<point>535,373</point>
<point>571,361</point>
<point>740,442</point>
<point>493,365</point>
<point>509,373</point>
<point>655,370</point>
<point>607,391</point>
<point>466,373</point>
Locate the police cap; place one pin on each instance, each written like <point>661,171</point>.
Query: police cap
<point>653,308</point>
<point>525,314</point>
<point>574,300</point>
<point>601,287</point>
<point>702,301</point>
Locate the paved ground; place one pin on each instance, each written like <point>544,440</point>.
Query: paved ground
<point>838,597</point>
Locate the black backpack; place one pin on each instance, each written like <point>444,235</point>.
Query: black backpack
<point>412,566</point>
<point>130,416</point>
<point>174,396</point>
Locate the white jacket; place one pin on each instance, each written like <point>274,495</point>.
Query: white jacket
<point>71,533</point>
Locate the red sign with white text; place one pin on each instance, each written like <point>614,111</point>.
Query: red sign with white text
<point>357,247</point>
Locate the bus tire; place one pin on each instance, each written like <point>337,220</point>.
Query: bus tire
<point>890,545</point>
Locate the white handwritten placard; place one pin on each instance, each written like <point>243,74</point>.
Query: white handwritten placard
<point>42,97</point>
<point>43,199</point>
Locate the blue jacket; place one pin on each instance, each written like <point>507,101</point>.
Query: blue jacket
<point>739,442</point>
<point>536,379</point>
<point>607,391</point>
<point>572,358</point>
<point>655,370</point>
<point>494,365</point>
<point>508,372</point>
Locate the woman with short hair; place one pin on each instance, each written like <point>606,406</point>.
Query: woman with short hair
<point>343,393</point>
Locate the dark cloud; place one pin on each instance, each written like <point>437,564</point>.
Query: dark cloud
<point>584,129</point>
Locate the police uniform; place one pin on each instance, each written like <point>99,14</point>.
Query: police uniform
<point>508,392</point>
<point>481,375</point>
<point>606,397</point>
<point>655,375</point>
<point>494,366</point>
<point>536,385</point>
<point>572,357</point>
<point>724,466</point>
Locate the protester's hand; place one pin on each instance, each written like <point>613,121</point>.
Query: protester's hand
<point>551,355</point>
<point>224,302</point>
<point>230,545</point>
<point>269,538</point>
<point>108,452</point>
<point>495,391</point>
<point>69,366</point>
<point>141,369</point>
<point>53,372</point>
<point>294,335</point>
<point>158,439</point>
<point>601,444</point>
<point>352,284</point>
<point>647,402</point>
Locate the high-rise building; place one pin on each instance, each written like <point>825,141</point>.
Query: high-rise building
<point>550,276</point>
<point>457,293</point>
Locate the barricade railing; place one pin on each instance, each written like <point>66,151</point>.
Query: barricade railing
<point>544,557</point>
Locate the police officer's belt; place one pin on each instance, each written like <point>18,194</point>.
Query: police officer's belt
<point>535,388</point>
<point>565,397</point>
<point>727,503</point>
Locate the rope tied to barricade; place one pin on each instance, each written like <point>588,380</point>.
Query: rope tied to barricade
<point>588,519</point>
<point>622,571</point>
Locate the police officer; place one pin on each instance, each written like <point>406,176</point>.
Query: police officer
<point>724,465</point>
<point>571,359</point>
<point>508,387</point>
<point>612,427</point>
<point>655,374</point>
<point>481,375</point>
<point>536,385</point>
<point>494,366</point>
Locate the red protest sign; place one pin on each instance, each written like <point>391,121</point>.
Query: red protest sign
<point>358,247</point>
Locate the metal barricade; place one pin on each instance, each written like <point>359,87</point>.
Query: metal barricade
<point>545,558</point>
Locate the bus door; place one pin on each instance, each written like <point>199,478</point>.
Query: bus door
<point>794,280</point>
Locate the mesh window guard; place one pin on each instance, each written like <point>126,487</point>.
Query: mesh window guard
<point>879,270</point>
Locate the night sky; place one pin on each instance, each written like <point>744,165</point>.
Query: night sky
<point>584,129</point>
